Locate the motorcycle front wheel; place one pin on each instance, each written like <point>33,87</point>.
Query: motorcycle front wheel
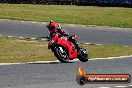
<point>61,54</point>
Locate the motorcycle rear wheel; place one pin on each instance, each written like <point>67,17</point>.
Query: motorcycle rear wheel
<point>83,56</point>
<point>61,54</point>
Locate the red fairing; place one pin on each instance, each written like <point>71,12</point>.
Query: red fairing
<point>54,39</point>
<point>70,46</point>
<point>72,52</point>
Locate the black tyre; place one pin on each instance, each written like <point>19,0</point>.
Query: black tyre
<point>61,54</point>
<point>82,55</point>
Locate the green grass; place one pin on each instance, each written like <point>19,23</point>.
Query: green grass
<point>87,15</point>
<point>15,50</point>
<point>104,51</point>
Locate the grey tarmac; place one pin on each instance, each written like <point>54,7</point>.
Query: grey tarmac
<point>60,75</point>
<point>85,34</point>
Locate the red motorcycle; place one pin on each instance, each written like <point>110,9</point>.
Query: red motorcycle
<point>66,50</point>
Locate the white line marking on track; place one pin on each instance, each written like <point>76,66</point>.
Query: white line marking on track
<point>103,87</point>
<point>10,36</point>
<point>92,43</point>
<point>112,57</point>
<point>33,38</point>
<point>11,63</point>
<point>121,86</point>
<point>43,39</point>
<point>38,62</point>
<point>21,37</point>
<point>75,60</point>
<point>56,61</point>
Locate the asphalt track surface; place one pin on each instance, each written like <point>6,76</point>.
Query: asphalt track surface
<point>60,75</point>
<point>63,75</point>
<point>85,34</point>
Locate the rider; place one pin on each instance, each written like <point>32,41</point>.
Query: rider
<point>54,27</point>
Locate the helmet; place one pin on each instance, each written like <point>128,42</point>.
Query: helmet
<point>52,26</point>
